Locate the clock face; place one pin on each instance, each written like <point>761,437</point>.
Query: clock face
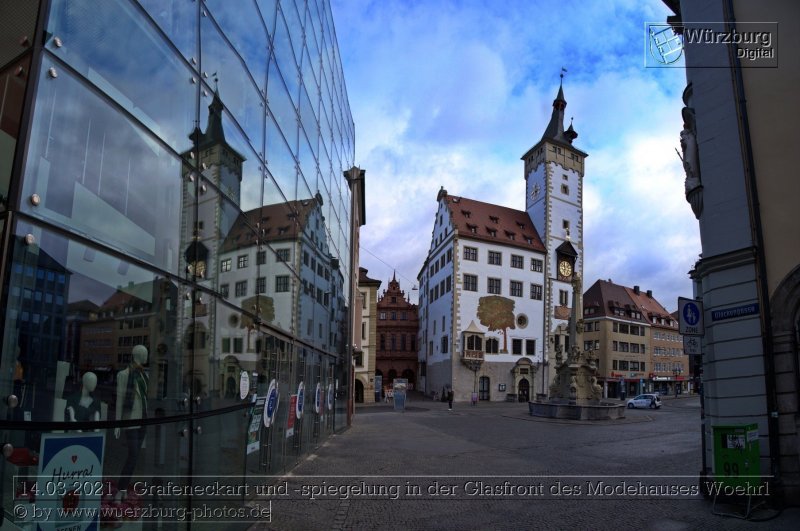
<point>535,192</point>
<point>565,268</point>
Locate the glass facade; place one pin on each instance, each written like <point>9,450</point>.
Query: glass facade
<point>176,237</point>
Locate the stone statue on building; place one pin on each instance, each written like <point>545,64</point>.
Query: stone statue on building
<point>693,186</point>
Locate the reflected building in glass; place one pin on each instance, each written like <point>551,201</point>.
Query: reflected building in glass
<point>177,231</point>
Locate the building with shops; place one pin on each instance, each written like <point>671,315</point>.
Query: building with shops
<point>396,329</point>
<point>738,150</point>
<point>495,288</point>
<point>364,358</point>
<point>636,341</point>
<point>177,225</point>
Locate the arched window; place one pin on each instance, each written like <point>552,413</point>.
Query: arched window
<point>492,345</point>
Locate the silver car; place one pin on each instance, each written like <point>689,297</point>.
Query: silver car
<point>647,400</point>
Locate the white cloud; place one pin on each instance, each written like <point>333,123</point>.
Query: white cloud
<point>451,94</point>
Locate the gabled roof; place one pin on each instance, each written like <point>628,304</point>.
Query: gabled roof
<point>605,296</point>
<point>648,305</point>
<point>492,223</point>
<point>278,222</point>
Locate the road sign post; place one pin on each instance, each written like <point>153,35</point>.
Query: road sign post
<point>690,317</point>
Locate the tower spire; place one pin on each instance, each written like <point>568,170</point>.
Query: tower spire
<point>555,129</point>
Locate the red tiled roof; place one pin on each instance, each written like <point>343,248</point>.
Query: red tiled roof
<point>493,223</point>
<point>649,306</point>
<point>281,221</point>
<point>605,296</point>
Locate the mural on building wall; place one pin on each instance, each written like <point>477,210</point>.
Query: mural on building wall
<point>497,314</point>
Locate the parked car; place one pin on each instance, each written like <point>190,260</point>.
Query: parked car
<point>652,401</point>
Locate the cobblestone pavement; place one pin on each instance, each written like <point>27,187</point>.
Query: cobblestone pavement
<point>492,466</point>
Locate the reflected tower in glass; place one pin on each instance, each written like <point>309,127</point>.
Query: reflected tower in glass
<point>176,231</point>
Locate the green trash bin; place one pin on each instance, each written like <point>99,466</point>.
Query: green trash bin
<point>736,458</point>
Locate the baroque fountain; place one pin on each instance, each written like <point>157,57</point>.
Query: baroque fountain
<point>574,392</point>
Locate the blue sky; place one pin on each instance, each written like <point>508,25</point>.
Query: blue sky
<point>452,93</point>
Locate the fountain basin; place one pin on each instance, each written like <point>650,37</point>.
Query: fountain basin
<point>572,410</point>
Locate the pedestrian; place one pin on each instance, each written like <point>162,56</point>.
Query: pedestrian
<point>450,399</point>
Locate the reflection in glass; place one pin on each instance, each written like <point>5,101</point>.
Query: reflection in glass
<point>242,98</point>
<point>179,21</point>
<point>243,28</point>
<point>98,40</point>
<point>280,161</point>
<point>74,310</point>
<point>99,174</point>
<point>13,80</point>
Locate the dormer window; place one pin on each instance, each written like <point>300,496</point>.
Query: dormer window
<point>521,225</point>
<point>510,235</point>
<point>492,232</point>
<point>472,228</point>
<point>494,219</point>
<point>466,213</point>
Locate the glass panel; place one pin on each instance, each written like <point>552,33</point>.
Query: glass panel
<point>308,120</point>
<point>238,93</point>
<point>281,106</point>
<point>284,55</point>
<point>243,28</point>
<point>178,19</point>
<point>13,81</point>
<point>280,162</point>
<point>99,174</point>
<point>75,311</point>
<point>308,167</point>
<point>140,458</point>
<point>283,255</point>
<point>17,25</point>
<point>268,10</point>
<point>295,25</point>
<point>231,164</point>
<point>98,40</point>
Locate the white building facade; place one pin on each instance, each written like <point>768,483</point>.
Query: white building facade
<point>496,288</point>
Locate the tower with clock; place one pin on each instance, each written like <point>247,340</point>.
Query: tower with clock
<point>554,170</point>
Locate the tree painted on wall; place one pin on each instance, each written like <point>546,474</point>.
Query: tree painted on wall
<point>260,305</point>
<point>497,313</point>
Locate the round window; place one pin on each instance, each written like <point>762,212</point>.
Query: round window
<point>522,320</point>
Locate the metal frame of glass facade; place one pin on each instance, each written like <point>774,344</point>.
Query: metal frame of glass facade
<point>176,235</point>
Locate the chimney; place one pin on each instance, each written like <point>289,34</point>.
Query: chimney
<point>650,293</point>
<point>636,289</point>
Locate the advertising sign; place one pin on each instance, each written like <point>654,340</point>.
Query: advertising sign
<point>318,399</point>
<point>301,395</point>
<point>70,481</point>
<point>330,397</point>
<point>736,456</point>
<point>254,430</point>
<point>272,403</point>
<point>399,386</point>
<point>292,416</point>
<point>244,385</point>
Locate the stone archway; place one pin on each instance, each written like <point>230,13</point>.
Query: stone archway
<point>785,331</point>
<point>359,392</point>
<point>524,390</point>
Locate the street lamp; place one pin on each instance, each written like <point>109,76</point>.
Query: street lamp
<point>677,372</point>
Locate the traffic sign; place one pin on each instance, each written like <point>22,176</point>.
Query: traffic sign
<point>690,317</point>
<point>691,346</point>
